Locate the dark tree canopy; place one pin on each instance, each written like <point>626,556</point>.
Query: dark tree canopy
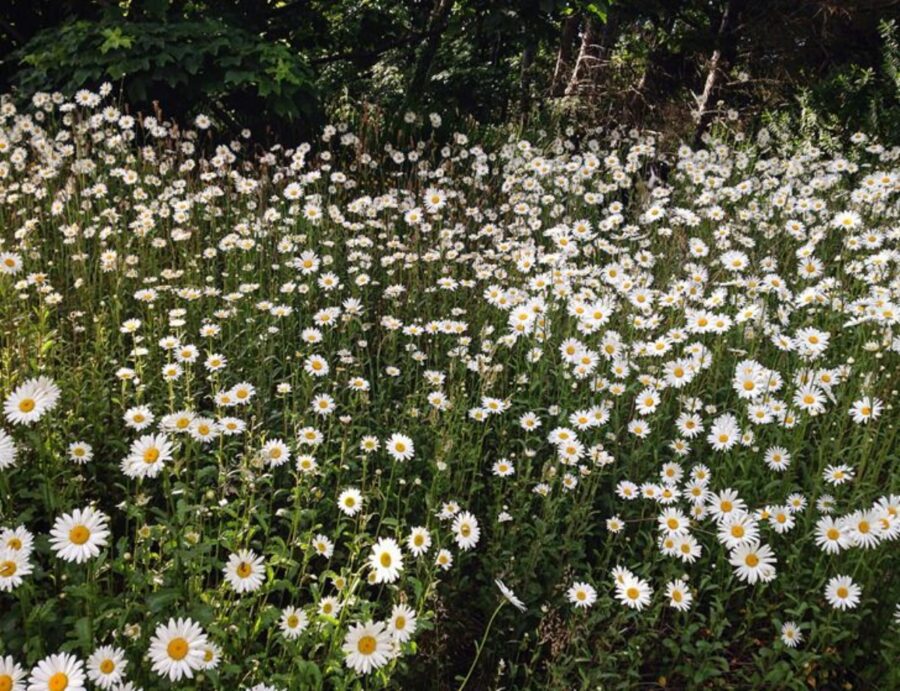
<point>279,66</point>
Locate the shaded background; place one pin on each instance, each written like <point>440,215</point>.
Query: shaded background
<point>279,67</point>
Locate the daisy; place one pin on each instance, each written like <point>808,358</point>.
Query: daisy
<point>864,529</point>
<point>316,366</point>
<point>8,451</point>
<point>31,400</point>
<point>10,263</point>
<point>293,622</point>
<point>61,672</point>
<point>781,518</point>
<point>177,649</point>
<point>634,592</point>
<point>367,647</point>
<point>12,675</point>
<point>402,624</point>
<point>866,409</point>
<point>738,529</point>
<point>386,560</point>
<point>838,474</point>
<point>582,595</point>
<point>275,452</point>
<point>323,546</point>
<point>419,541</point>
<point>509,595</point>
<point>147,456</point>
<point>679,595</point>
<point>503,468</point>
<point>466,530</point>
<point>212,654</point>
<point>369,444</point>
<point>842,593</point>
<point>724,433</point>
<point>724,504</point>
<point>17,539</point>
<point>245,571</point>
<point>306,463</point>
<point>350,501</point>
<point>753,562</point>
<point>80,452</point>
<point>400,447</point>
<point>138,418</point>
<point>323,404</point>
<point>330,606</point>
<point>790,634</point>
<point>444,560</point>
<point>78,536</point>
<point>14,565</point>
<point>106,666</point>
<point>673,522</point>
<point>242,393</point>
<point>777,458</point>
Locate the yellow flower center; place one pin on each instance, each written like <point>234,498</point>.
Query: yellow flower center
<point>726,506</point>
<point>14,543</point>
<point>677,596</point>
<point>244,569</point>
<point>177,648</point>
<point>752,560</point>
<point>366,645</point>
<point>79,535</point>
<point>151,455</point>
<point>8,570</point>
<point>833,533</point>
<point>400,622</point>
<point>632,593</point>
<point>842,592</point>
<point>672,523</point>
<point>737,531</point>
<point>465,530</point>
<point>385,559</point>
<point>107,666</point>
<point>6,682</point>
<point>26,405</point>
<point>58,682</point>
<point>293,621</point>
<point>863,527</point>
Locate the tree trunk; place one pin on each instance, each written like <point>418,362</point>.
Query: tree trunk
<point>720,60</point>
<point>437,24</point>
<point>525,80</point>
<point>564,55</point>
<point>585,56</point>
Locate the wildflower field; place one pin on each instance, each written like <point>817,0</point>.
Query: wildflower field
<point>409,408</point>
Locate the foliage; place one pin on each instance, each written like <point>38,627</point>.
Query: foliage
<point>220,66</point>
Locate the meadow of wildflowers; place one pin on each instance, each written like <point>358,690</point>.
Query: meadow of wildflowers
<point>413,409</point>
